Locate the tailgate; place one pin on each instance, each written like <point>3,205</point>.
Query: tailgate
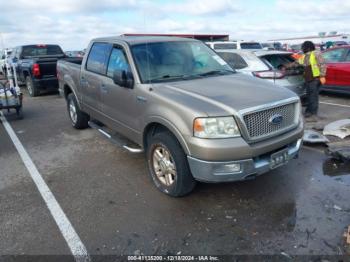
<point>47,67</point>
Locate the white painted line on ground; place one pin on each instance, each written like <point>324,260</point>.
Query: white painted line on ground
<point>333,104</point>
<point>74,243</point>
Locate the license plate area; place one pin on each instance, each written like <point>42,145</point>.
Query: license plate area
<point>279,158</point>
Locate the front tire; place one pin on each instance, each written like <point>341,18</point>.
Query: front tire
<point>168,166</point>
<point>78,118</point>
<point>32,89</point>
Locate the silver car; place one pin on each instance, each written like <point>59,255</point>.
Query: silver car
<point>267,65</point>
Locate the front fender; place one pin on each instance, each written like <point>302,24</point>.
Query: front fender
<point>172,127</point>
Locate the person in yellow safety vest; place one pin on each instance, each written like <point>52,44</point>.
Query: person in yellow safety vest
<point>314,75</point>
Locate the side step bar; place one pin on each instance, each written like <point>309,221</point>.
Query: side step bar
<point>120,142</point>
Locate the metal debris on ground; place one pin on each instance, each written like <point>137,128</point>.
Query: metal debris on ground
<point>347,235</point>
<point>339,150</point>
<point>340,128</point>
<point>311,136</point>
<point>337,207</point>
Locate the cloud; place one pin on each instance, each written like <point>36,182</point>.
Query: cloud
<point>73,24</point>
<point>68,6</point>
<point>202,7</point>
<point>312,8</point>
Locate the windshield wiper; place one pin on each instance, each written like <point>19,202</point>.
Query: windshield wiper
<point>217,72</point>
<point>165,77</point>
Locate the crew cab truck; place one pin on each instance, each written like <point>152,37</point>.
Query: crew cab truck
<point>195,118</point>
<point>36,66</point>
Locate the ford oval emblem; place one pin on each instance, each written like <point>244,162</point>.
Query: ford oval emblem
<point>276,119</point>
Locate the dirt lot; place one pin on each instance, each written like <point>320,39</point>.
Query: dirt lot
<point>107,195</point>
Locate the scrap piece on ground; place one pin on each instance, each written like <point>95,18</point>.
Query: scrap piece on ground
<point>347,236</point>
<point>311,136</point>
<point>339,128</point>
<point>339,150</point>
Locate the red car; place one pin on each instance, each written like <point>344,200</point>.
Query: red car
<point>338,69</point>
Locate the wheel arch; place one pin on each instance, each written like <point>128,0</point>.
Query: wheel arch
<point>157,124</point>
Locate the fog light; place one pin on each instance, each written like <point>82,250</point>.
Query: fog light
<point>227,169</point>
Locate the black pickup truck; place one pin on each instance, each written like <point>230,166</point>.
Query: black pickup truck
<point>36,66</point>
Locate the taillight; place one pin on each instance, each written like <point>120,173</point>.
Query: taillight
<point>269,74</point>
<point>36,70</point>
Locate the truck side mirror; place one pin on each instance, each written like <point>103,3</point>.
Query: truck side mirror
<point>123,78</point>
<point>3,57</point>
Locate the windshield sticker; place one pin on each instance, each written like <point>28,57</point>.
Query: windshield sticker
<point>219,60</point>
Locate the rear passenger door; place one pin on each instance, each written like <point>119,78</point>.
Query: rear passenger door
<point>92,76</point>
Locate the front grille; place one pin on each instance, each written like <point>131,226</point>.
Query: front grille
<point>259,123</point>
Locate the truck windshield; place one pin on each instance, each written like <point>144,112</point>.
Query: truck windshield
<point>177,60</point>
<point>41,50</point>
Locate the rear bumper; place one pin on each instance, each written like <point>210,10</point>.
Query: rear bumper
<point>46,83</point>
<point>208,171</point>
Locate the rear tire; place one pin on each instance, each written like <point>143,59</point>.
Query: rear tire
<point>168,165</point>
<point>78,118</point>
<point>32,89</point>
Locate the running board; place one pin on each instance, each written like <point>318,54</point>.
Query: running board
<point>117,140</point>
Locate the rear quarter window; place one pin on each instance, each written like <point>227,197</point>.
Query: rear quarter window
<point>98,58</point>
<point>234,60</point>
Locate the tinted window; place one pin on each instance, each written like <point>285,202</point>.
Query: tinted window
<point>234,60</point>
<point>334,55</point>
<point>347,58</point>
<point>41,50</point>
<point>225,46</point>
<point>98,57</point>
<point>250,46</point>
<point>117,61</point>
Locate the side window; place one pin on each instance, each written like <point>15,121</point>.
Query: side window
<point>234,60</point>
<point>335,55</point>
<point>98,57</point>
<point>225,46</point>
<point>117,61</point>
<point>347,58</point>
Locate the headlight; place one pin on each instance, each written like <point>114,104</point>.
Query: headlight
<point>215,127</point>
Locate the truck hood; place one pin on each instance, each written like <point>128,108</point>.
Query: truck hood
<point>232,92</point>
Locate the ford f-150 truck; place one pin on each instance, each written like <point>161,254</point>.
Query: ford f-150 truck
<point>179,102</point>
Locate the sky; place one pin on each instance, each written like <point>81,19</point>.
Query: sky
<point>73,23</point>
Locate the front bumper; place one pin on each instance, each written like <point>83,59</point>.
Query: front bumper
<point>208,171</point>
